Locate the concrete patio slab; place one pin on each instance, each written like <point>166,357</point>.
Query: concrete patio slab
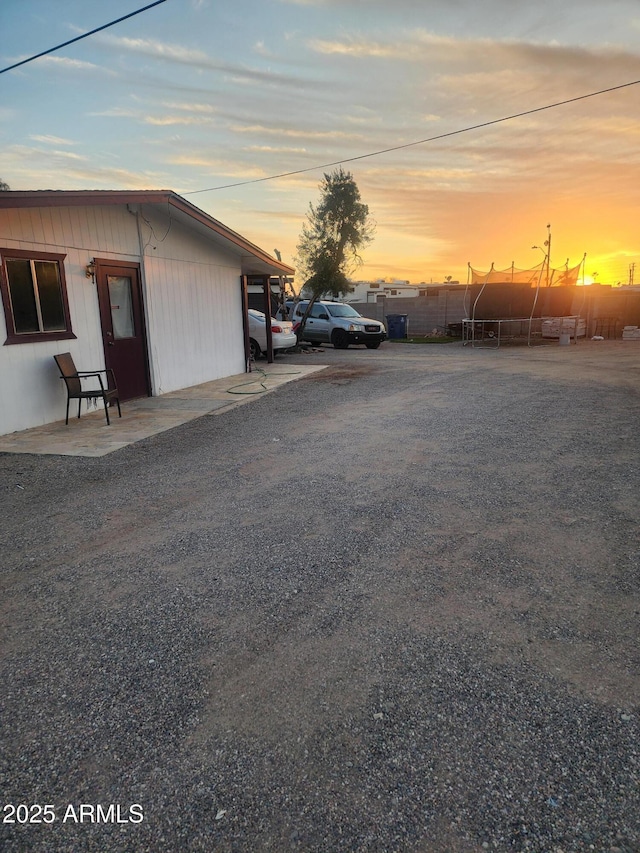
<point>91,436</point>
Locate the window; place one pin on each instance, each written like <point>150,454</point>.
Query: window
<point>318,310</point>
<point>34,295</point>
<point>339,309</point>
<point>121,306</point>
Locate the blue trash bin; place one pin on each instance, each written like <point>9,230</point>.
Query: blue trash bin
<point>397,326</point>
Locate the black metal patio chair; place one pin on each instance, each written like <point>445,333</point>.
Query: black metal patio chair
<point>107,390</point>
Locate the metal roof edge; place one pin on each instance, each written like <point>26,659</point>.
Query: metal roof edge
<point>196,213</point>
<point>74,198</point>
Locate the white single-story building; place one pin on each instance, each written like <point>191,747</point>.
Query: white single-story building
<point>142,282</point>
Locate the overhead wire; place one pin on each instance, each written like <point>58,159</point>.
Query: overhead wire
<point>339,162</point>
<point>79,38</point>
<point>417,142</point>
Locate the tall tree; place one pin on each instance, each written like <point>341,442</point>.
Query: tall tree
<point>337,228</point>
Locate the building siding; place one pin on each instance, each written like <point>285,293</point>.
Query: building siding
<point>192,299</point>
<point>194,308</point>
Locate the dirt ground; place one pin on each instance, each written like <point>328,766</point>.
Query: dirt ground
<point>599,664</point>
<point>392,606</point>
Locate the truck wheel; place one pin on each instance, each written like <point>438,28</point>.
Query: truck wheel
<point>340,339</point>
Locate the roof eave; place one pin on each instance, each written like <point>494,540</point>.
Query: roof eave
<point>263,263</point>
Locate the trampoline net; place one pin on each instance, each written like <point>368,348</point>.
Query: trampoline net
<point>534,276</point>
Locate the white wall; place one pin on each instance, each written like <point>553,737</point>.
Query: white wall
<point>194,307</point>
<point>192,299</point>
<point>30,388</point>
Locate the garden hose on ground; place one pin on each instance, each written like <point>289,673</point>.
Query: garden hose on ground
<point>261,382</point>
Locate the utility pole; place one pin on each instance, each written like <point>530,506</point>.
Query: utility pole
<point>547,243</point>
<point>547,255</point>
<point>632,268</point>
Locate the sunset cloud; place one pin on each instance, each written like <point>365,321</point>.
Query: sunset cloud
<point>52,140</point>
<point>449,114</point>
<point>294,133</point>
<point>168,120</point>
<point>79,171</point>
<point>200,59</point>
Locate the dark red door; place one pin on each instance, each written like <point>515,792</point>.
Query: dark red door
<point>123,328</point>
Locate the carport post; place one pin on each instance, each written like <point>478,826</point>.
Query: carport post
<point>266,287</point>
<point>245,323</point>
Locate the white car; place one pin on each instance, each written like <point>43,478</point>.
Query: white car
<point>281,331</point>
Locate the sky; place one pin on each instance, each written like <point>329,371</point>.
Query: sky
<point>197,95</point>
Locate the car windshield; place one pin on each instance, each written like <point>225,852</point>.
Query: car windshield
<point>337,309</point>
<point>256,315</point>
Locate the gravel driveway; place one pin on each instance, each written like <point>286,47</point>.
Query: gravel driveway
<point>392,606</point>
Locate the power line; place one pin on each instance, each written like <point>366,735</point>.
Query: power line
<point>419,141</point>
<point>467,129</point>
<point>78,38</point>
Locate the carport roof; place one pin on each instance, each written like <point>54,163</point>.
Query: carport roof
<point>253,260</point>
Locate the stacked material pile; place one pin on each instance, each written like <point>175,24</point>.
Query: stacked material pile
<point>631,333</point>
<point>553,327</point>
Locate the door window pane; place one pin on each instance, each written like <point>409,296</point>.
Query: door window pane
<point>121,306</point>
